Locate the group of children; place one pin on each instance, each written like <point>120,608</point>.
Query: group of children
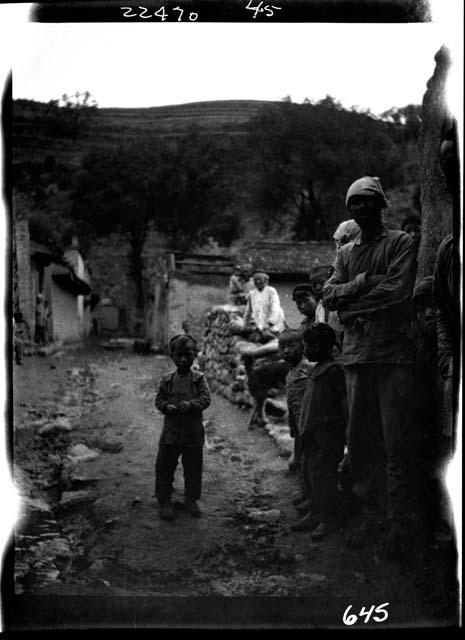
<point>317,418</point>
<point>317,404</point>
<point>318,415</point>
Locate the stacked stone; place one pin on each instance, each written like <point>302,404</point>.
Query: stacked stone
<point>219,359</point>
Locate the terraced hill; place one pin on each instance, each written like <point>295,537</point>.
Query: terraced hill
<point>225,120</point>
<point>112,126</point>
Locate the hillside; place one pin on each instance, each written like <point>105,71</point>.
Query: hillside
<point>112,126</point>
<point>224,122</point>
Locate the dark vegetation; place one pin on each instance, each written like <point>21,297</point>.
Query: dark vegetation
<point>179,191</point>
<point>307,154</point>
<point>203,172</point>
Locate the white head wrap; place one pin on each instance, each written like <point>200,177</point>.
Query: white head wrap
<point>347,231</point>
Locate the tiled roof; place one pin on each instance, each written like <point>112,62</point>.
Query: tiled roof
<point>287,258</point>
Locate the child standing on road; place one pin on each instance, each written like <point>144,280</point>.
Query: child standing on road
<point>182,396</point>
<point>291,349</point>
<point>322,430</point>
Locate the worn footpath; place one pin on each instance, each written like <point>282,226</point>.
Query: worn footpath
<point>86,434</point>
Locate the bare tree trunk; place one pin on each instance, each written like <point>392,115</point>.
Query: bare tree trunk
<point>322,232</point>
<point>159,318</point>
<point>436,201</point>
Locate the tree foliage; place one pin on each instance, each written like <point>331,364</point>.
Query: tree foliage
<point>70,116</point>
<point>405,122</point>
<point>41,194</point>
<point>307,156</point>
<point>195,193</point>
<point>175,187</point>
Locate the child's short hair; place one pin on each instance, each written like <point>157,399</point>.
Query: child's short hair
<point>182,340</point>
<point>291,334</point>
<point>321,332</point>
<point>302,289</point>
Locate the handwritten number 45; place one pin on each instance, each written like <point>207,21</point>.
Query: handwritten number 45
<point>259,8</point>
<point>350,619</point>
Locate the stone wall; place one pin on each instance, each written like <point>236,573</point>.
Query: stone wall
<point>436,201</point>
<point>219,359</point>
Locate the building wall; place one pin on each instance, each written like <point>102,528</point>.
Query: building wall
<point>65,324</point>
<point>74,257</point>
<point>191,294</point>
<point>109,266</point>
<point>24,285</point>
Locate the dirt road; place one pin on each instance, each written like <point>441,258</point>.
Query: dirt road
<point>113,543</point>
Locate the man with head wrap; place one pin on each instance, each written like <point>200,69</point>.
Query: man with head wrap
<point>240,284</point>
<point>371,288</point>
<point>345,232</point>
<point>263,307</point>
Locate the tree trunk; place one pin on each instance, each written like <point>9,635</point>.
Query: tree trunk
<point>137,268</point>
<point>436,200</point>
<point>159,317</point>
<point>321,232</point>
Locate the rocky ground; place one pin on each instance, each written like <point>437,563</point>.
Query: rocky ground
<point>86,435</point>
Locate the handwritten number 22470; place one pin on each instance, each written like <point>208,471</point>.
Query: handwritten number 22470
<point>160,13</point>
<point>350,619</point>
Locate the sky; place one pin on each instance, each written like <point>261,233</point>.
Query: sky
<point>151,64</point>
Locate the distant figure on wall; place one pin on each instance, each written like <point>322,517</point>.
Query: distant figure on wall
<point>240,284</point>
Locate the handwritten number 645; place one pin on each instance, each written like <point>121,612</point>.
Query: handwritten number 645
<point>351,618</point>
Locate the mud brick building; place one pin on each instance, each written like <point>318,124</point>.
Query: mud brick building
<point>63,279</point>
<point>288,263</point>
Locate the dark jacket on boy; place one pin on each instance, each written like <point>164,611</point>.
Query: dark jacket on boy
<point>182,434</point>
<point>296,383</point>
<point>183,428</point>
<point>322,429</point>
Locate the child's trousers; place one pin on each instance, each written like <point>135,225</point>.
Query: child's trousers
<point>303,467</point>
<point>324,453</point>
<point>165,466</point>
